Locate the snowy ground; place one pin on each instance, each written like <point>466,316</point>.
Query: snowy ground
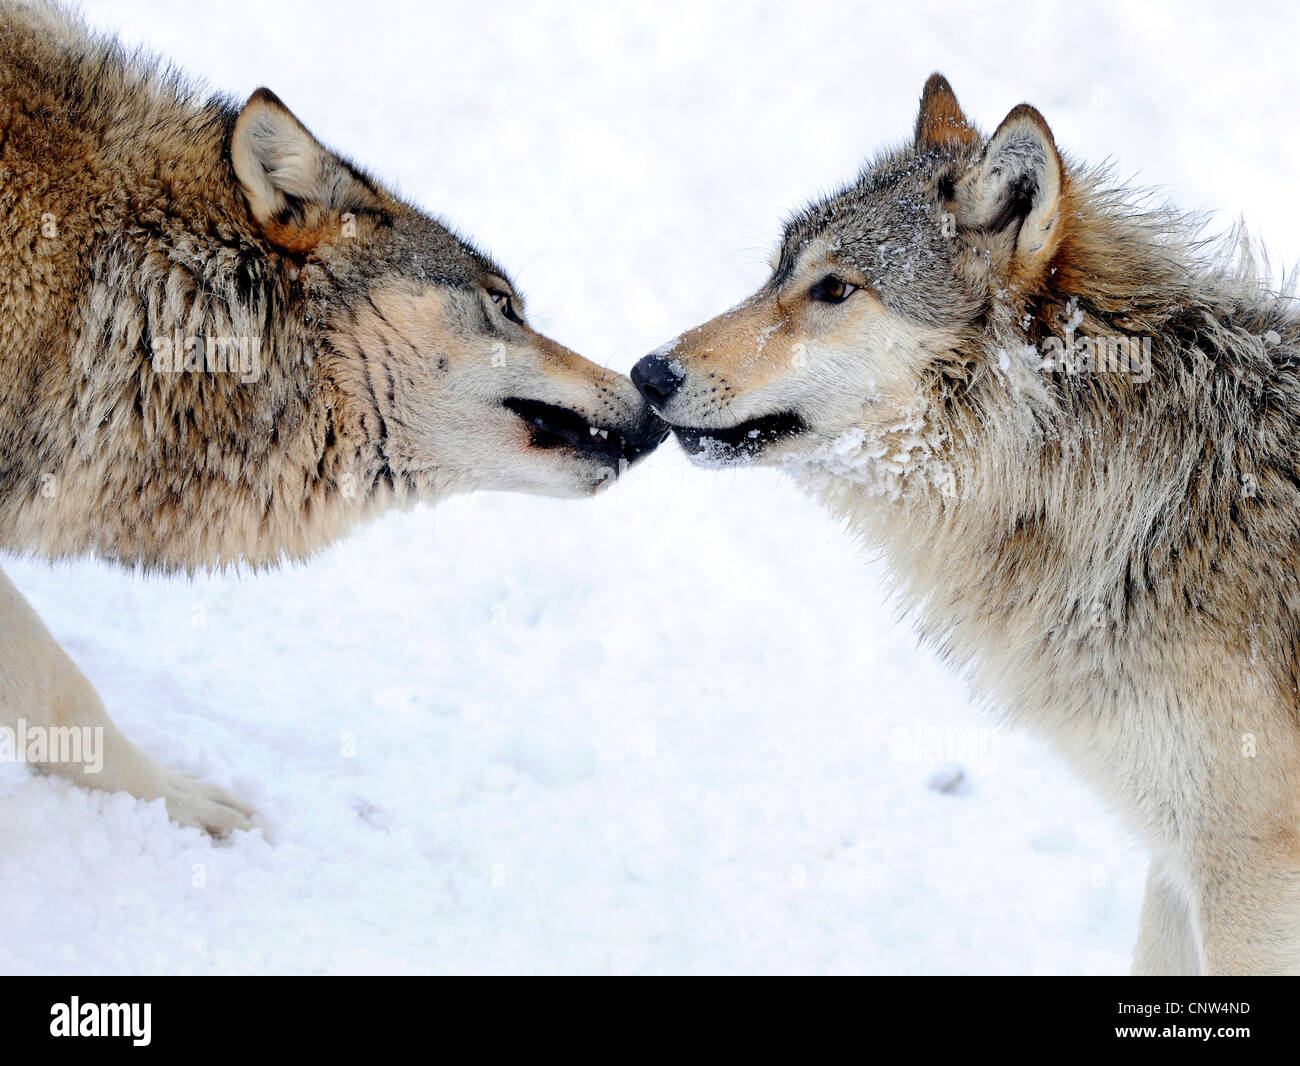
<point>659,731</point>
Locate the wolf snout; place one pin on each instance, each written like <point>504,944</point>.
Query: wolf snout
<point>657,378</point>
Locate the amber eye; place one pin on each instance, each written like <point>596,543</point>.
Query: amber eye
<point>832,290</point>
<point>506,303</point>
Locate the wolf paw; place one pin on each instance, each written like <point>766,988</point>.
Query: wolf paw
<point>205,806</point>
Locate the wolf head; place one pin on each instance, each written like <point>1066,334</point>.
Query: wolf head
<point>442,383</point>
<point>874,296</point>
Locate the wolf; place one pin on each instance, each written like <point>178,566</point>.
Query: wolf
<point>1069,425</point>
<point>222,344</point>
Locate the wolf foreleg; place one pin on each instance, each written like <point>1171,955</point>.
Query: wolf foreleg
<point>42,691</point>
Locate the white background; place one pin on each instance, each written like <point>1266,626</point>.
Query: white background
<point>651,732</point>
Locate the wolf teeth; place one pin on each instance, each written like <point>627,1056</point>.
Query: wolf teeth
<point>602,433</point>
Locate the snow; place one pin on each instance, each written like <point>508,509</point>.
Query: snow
<point>678,728</point>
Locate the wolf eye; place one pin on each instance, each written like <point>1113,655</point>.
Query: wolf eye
<point>832,290</point>
<point>506,303</point>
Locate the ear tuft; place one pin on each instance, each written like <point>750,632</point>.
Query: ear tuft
<point>1017,184</point>
<point>941,123</point>
<point>296,189</point>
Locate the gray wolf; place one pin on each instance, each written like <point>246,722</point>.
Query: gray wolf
<point>1070,427</point>
<point>222,343</point>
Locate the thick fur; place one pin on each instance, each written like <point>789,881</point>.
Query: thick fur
<point>222,343</point>
<point>1112,557</point>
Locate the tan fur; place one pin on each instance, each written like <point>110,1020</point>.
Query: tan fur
<point>941,122</point>
<point>222,343</point>
<point>1113,561</point>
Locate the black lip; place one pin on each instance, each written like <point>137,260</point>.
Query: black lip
<point>743,441</point>
<point>552,426</point>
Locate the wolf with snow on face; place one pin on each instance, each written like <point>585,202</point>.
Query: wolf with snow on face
<point>221,343</point>
<point>1110,548</point>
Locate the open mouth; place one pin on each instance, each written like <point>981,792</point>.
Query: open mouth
<point>743,441</point>
<point>558,427</point>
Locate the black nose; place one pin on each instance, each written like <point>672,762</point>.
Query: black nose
<point>657,379</point>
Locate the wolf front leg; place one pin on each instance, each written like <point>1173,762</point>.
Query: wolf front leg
<point>44,696</point>
<point>1248,914</point>
<point>1166,944</point>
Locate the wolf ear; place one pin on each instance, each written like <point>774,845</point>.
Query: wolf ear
<point>297,189</point>
<point>941,123</point>
<point>1016,186</point>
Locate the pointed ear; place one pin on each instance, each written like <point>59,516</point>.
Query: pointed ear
<point>297,190</point>
<point>941,123</point>
<point>1016,186</point>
